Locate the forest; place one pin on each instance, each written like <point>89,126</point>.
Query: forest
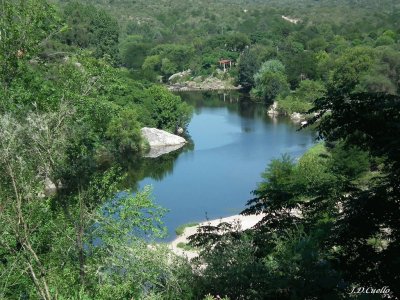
<point>80,78</point>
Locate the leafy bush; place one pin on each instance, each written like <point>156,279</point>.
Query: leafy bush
<point>302,99</point>
<point>124,131</point>
<point>270,81</point>
<point>167,111</point>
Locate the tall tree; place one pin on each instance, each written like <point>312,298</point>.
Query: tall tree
<point>370,122</point>
<point>270,81</point>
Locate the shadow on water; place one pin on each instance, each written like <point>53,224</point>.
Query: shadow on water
<point>139,168</point>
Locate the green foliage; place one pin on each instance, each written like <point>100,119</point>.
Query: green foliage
<point>306,271</point>
<point>310,90</point>
<point>24,27</point>
<point>302,99</point>
<point>65,123</point>
<point>119,228</point>
<point>203,34</point>
<point>209,297</point>
<point>124,130</point>
<point>185,246</point>
<point>285,251</point>
<point>350,161</point>
<point>68,117</point>
<point>168,111</point>
<point>270,81</point>
<point>111,227</point>
<point>233,253</point>
<point>93,28</point>
<point>133,51</point>
<point>152,63</point>
<point>248,66</point>
<point>249,63</point>
<point>167,59</point>
<point>291,104</point>
<point>25,250</point>
<point>236,42</point>
<point>350,67</point>
<point>367,122</point>
<point>276,184</point>
<point>181,228</point>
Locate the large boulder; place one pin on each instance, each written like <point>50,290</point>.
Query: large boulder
<point>161,142</point>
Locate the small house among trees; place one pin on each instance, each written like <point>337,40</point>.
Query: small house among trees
<point>224,63</point>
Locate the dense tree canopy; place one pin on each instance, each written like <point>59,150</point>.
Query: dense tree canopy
<point>68,121</point>
<point>79,79</point>
<point>89,27</point>
<point>270,80</point>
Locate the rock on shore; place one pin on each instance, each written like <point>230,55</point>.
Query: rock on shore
<point>297,117</point>
<point>161,142</point>
<point>273,109</point>
<point>200,83</point>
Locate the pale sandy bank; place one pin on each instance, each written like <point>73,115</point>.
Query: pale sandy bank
<point>245,221</point>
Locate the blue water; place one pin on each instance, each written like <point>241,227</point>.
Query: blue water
<point>233,143</point>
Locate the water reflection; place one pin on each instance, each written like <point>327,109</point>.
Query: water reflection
<point>139,168</point>
<point>233,141</point>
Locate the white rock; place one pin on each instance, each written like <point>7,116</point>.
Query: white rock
<point>179,75</point>
<point>161,150</point>
<point>50,188</point>
<point>296,117</point>
<point>157,137</point>
<point>273,109</point>
<point>161,142</point>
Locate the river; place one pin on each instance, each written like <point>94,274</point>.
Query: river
<point>233,140</point>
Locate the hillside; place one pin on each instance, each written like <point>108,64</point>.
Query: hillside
<point>79,80</point>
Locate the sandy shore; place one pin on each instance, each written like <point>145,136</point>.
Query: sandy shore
<point>245,221</point>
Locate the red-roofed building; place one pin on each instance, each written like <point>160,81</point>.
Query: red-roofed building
<point>224,63</point>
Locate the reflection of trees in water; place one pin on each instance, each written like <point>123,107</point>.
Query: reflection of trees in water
<point>138,168</point>
<point>236,102</point>
<point>211,98</point>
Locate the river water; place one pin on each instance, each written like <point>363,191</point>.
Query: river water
<point>233,140</point>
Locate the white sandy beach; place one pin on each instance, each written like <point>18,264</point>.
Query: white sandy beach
<point>246,222</point>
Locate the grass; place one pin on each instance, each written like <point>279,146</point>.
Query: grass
<point>185,246</point>
<point>181,228</point>
<point>318,149</point>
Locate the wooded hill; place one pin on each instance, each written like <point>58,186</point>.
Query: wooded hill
<point>77,82</point>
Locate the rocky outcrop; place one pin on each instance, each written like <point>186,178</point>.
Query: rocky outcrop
<point>200,84</point>
<point>291,20</point>
<point>161,142</point>
<point>179,76</point>
<point>273,109</point>
<point>297,117</point>
<point>50,188</point>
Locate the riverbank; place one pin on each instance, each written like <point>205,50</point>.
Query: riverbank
<point>183,81</point>
<point>245,222</point>
<point>204,88</point>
